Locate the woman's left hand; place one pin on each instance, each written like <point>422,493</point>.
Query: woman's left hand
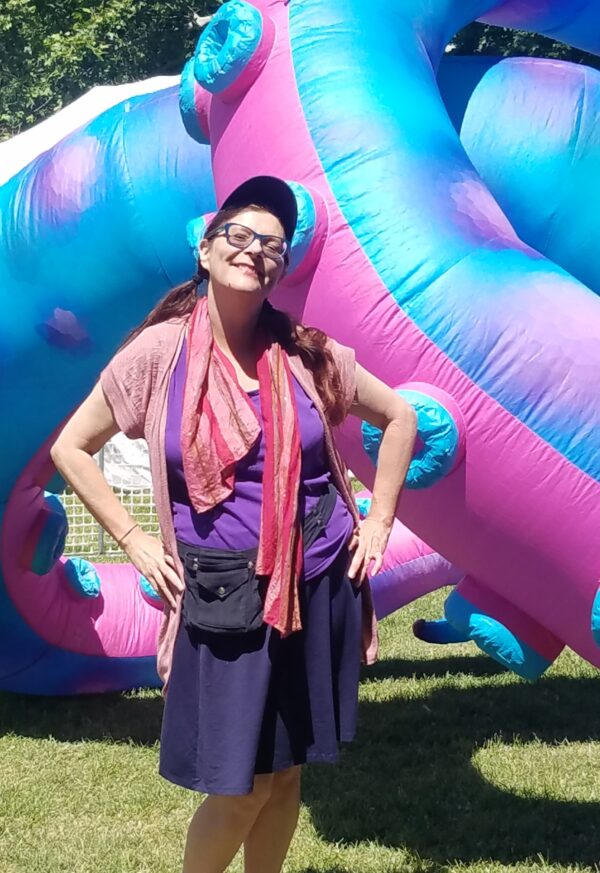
<point>368,544</point>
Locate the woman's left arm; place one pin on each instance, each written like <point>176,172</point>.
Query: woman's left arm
<point>379,404</point>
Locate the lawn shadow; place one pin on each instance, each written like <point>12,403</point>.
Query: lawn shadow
<point>127,718</point>
<point>408,781</point>
<point>114,717</point>
<point>406,668</point>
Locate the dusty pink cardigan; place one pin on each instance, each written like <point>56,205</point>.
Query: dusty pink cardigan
<point>136,385</point>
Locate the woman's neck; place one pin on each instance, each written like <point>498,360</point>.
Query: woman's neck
<point>234,322</point>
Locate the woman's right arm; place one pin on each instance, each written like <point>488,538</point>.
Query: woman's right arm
<point>91,426</point>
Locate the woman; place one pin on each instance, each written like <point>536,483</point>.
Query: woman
<point>262,632</point>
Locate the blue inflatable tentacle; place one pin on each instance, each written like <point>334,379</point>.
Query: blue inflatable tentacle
<point>439,631</point>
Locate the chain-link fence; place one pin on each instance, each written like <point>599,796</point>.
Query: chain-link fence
<point>126,468</point>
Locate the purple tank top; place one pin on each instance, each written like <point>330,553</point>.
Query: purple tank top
<point>235,523</point>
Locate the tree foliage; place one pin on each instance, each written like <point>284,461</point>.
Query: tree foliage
<point>52,51</point>
<point>486,39</point>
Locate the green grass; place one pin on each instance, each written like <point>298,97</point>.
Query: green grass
<point>458,766</point>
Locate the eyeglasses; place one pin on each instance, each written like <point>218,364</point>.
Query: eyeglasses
<point>240,237</point>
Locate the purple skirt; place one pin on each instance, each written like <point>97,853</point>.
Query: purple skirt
<point>242,704</point>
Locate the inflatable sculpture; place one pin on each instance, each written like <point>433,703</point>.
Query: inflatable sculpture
<point>410,569</point>
<point>413,247</point>
<point>93,231</point>
<point>425,276</point>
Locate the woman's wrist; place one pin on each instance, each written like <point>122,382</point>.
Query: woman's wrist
<point>120,540</point>
<point>380,516</point>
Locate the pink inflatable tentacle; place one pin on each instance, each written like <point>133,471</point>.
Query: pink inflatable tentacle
<point>411,568</point>
<point>70,603</point>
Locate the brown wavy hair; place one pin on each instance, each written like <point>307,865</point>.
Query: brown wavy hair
<point>309,343</point>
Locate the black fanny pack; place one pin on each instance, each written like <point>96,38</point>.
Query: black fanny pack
<point>223,594</point>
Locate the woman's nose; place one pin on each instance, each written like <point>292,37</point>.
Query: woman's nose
<point>255,247</point>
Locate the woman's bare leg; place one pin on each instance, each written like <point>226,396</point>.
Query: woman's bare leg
<point>219,827</point>
<point>267,843</point>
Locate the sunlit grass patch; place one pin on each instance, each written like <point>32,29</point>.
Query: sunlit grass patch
<point>564,771</point>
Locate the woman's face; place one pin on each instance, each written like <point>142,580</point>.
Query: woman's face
<point>254,268</point>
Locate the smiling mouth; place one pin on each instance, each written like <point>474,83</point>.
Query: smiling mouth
<point>249,270</point>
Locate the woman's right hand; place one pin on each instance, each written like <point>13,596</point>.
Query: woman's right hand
<point>148,555</point>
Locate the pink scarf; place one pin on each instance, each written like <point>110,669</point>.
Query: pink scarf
<point>219,427</point>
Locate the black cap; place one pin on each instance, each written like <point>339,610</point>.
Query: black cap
<point>273,194</point>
